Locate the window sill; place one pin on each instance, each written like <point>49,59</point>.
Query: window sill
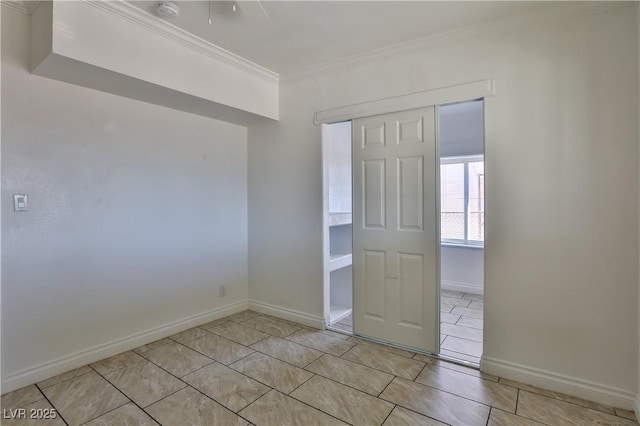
<point>462,245</point>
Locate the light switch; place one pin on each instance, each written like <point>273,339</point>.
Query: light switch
<point>20,202</point>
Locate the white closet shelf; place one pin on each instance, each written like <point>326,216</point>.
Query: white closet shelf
<point>336,219</point>
<point>337,261</point>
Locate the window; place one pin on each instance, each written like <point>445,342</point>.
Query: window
<point>462,200</point>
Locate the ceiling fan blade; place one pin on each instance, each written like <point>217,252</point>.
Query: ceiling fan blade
<point>252,10</point>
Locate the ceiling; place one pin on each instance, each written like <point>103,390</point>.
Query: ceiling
<point>301,35</point>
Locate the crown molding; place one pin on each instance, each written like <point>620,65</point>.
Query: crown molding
<point>145,20</point>
<point>545,15</point>
<point>25,6</point>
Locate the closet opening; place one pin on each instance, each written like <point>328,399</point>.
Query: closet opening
<point>462,217</point>
<point>337,219</point>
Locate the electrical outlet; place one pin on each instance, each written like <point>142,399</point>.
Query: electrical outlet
<point>222,291</point>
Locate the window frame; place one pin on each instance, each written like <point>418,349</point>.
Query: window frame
<point>464,160</point>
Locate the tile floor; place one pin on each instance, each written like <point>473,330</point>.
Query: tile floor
<point>254,369</point>
<point>460,325</point>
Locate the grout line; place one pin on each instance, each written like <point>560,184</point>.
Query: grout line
<point>391,411</point>
<point>440,390</point>
<point>66,380</point>
<point>58,414</point>
<point>107,412</point>
<point>317,409</point>
<point>300,385</point>
<point>126,396</point>
<point>385,388</point>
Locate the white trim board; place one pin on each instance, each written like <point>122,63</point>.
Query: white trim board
<point>78,359</point>
<point>145,20</point>
<point>303,318</point>
<point>443,95</point>
<point>591,391</point>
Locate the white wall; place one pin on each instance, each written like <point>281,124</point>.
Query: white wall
<point>462,269</point>
<point>338,149</point>
<point>461,129</point>
<point>136,214</point>
<point>562,189</point>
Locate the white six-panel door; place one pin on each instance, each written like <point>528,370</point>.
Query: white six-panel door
<point>395,241</point>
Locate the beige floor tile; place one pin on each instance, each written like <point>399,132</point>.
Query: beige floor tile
<point>446,308</point>
<point>343,402</point>
<point>469,296</point>
<point>190,407</point>
<point>144,382</point>
<point>239,333</point>
<point>214,323</point>
<point>625,413</point>
<point>555,412</point>
<point>442,406</point>
<point>385,361</point>
<point>65,376</point>
<point>474,388</point>
<point>348,320</point>
<point>467,312</point>
<point>343,327</point>
<point>242,316</point>
<point>228,387</point>
<point>336,334</point>
<point>560,396</point>
<point>287,351</point>
<point>177,359</point>
<point>461,332</point>
<point>320,341</point>
<point>349,373</point>
<point>38,413</point>
<point>464,346</point>
<point>449,318</point>
<point>85,397</point>
<point>128,414</point>
<point>403,417</point>
<point>460,356</point>
<point>190,335</point>
<point>272,372</point>
<point>455,301</point>
<point>502,418</point>
<point>149,346</point>
<point>275,408</point>
<point>275,327</point>
<point>116,362</point>
<point>476,305</point>
<point>221,349</point>
<point>21,397</point>
<point>450,293</point>
<point>471,322</point>
<point>461,368</point>
<point>402,352</point>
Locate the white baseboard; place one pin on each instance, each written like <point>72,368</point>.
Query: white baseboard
<point>78,359</point>
<point>597,392</point>
<point>287,314</point>
<point>461,287</point>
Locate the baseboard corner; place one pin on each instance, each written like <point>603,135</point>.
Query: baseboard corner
<point>574,386</point>
<point>288,314</point>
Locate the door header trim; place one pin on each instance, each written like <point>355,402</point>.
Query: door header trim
<point>443,95</point>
